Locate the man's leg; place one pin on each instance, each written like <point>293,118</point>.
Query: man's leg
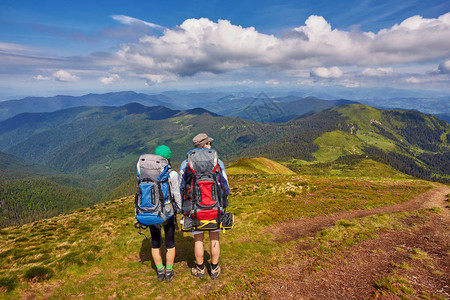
<point>199,269</point>
<point>198,248</point>
<point>215,247</point>
<point>215,253</point>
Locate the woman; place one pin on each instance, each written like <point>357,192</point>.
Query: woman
<point>169,225</point>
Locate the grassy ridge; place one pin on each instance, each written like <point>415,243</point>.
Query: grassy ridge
<point>349,166</point>
<point>258,165</point>
<point>96,252</point>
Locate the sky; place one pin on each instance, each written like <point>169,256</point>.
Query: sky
<point>80,47</point>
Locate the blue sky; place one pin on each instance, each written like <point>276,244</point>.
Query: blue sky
<point>79,47</point>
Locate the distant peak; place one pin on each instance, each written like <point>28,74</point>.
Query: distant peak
<point>199,111</point>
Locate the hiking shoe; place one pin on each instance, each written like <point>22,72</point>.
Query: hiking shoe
<point>215,272</point>
<point>161,274</point>
<point>169,275</point>
<point>197,272</point>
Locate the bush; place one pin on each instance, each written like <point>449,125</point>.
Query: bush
<point>39,273</point>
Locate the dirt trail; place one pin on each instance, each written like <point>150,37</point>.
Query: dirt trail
<point>310,226</point>
<point>352,275</point>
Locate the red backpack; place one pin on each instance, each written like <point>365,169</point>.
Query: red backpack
<point>203,195</point>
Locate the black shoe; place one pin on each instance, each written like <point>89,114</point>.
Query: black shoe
<point>161,274</point>
<point>169,275</point>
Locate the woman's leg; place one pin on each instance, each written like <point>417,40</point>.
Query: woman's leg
<point>156,245</point>
<point>169,231</point>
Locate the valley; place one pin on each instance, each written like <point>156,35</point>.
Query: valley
<point>93,150</point>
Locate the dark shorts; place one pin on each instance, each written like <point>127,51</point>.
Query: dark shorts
<point>169,235</point>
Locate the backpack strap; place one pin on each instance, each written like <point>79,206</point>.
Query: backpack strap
<point>139,226</point>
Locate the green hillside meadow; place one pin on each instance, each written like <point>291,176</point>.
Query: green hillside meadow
<point>258,165</point>
<point>96,252</point>
<point>92,151</point>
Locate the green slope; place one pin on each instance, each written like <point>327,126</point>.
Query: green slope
<point>347,166</point>
<point>111,148</point>
<point>409,141</point>
<point>10,164</point>
<point>39,136</point>
<point>259,165</point>
<point>96,142</point>
<point>97,253</point>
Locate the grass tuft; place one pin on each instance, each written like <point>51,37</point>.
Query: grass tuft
<point>39,273</point>
<point>345,223</point>
<point>8,283</point>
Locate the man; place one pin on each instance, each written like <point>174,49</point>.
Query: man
<point>203,141</point>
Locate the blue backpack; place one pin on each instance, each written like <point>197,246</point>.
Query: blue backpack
<point>153,199</point>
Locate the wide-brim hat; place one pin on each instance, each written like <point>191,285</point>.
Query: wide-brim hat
<point>201,139</point>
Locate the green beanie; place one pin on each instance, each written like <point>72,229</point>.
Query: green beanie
<point>163,151</point>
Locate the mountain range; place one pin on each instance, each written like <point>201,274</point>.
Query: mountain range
<point>243,104</point>
<point>91,151</point>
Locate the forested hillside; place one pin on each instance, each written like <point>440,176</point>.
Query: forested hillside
<point>25,201</point>
<point>411,142</point>
<point>91,151</point>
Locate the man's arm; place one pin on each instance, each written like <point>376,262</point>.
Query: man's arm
<point>182,176</point>
<point>223,180</point>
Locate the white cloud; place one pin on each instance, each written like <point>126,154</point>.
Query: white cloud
<point>422,79</point>
<point>201,45</point>
<point>412,80</point>
<point>444,67</point>
<point>65,76</point>
<point>13,47</point>
<point>110,79</point>
<point>272,82</point>
<point>130,20</point>
<point>350,83</point>
<point>156,78</point>
<point>415,39</point>
<point>377,72</point>
<point>333,72</point>
<point>41,77</point>
<point>246,81</point>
